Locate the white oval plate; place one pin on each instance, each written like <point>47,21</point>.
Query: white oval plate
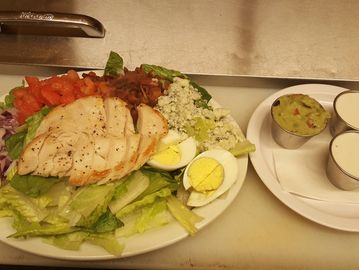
<point>134,245</point>
<point>329,214</point>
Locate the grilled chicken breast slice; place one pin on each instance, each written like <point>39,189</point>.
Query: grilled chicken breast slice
<point>29,158</point>
<point>115,116</point>
<point>85,114</point>
<point>82,160</point>
<point>129,160</point>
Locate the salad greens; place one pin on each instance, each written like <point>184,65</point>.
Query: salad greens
<point>33,185</point>
<point>114,65</point>
<point>15,144</point>
<point>9,99</point>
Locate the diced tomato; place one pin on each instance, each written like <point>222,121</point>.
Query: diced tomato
<point>19,92</point>
<point>296,111</point>
<point>73,76</point>
<point>89,88</point>
<point>26,104</point>
<point>51,97</point>
<point>32,80</point>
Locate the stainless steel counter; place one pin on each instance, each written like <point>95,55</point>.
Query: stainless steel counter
<point>281,38</point>
<point>257,231</point>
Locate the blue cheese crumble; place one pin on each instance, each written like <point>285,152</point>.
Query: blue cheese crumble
<point>213,127</point>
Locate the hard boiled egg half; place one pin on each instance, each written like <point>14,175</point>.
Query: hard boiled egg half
<point>173,152</point>
<point>209,175</point>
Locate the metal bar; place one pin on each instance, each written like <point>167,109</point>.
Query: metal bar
<point>50,24</point>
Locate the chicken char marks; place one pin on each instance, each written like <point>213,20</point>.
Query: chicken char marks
<point>93,140</point>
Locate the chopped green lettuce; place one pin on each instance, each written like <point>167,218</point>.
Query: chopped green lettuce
<point>37,229</point>
<point>164,73</point>
<point>68,241</point>
<point>158,180</point>
<point>33,123</point>
<point>205,96</point>
<point>114,65</point>
<point>106,241</point>
<point>9,98</point>
<point>183,215</point>
<point>11,171</point>
<point>23,204</point>
<point>129,190</point>
<point>14,144</point>
<point>242,148</point>
<point>33,185</point>
<point>145,218</point>
<point>107,222</point>
<point>147,200</point>
<point>87,204</point>
<point>74,240</point>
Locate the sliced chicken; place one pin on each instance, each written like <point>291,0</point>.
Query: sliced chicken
<point>29,159</point>
<point>82,160</point>
<point>93,141</point>
<point>115,116</point>
<point>55,155</point>
<point>85,114</point>
<point>128,162</point>
<point>151,122</point>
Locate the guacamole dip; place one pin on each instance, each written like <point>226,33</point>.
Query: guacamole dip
<point>300,114</point>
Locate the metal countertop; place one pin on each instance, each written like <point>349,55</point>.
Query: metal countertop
<point>280,38</point>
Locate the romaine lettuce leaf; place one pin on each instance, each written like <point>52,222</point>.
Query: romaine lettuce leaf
<point>33,123</point>
<point>107,241</point>
<point>242,148</point>
<point>145,218</point>
<point>14,144</point>
<point>33,185</point>
<point>107,222</point>
<point>26,229</point>
<point>21,203</point>
<point>68,241</point>
<point>9,98</point>
<point>128,190</point>
<point>73,241</point>
<point>158,180</point>
<point>147,200</point>
<point>162,72</point>
<point>11,171</point>
<point>114,65</point>
<point>183,215</point>
<point>87,204</point>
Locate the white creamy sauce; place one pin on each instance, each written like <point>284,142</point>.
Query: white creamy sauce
<point>347,106</point>
<point>345,150</point>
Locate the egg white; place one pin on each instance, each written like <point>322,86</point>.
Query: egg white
<point>187,148</point>
<point>230,167</point>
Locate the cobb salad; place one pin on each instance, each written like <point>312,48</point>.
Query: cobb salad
<point>99,158</point>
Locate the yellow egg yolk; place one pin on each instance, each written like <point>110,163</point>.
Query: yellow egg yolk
<point>170,155</point>
<point>205,174</point>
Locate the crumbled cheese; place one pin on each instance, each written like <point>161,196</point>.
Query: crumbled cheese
<point>179,108</point>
